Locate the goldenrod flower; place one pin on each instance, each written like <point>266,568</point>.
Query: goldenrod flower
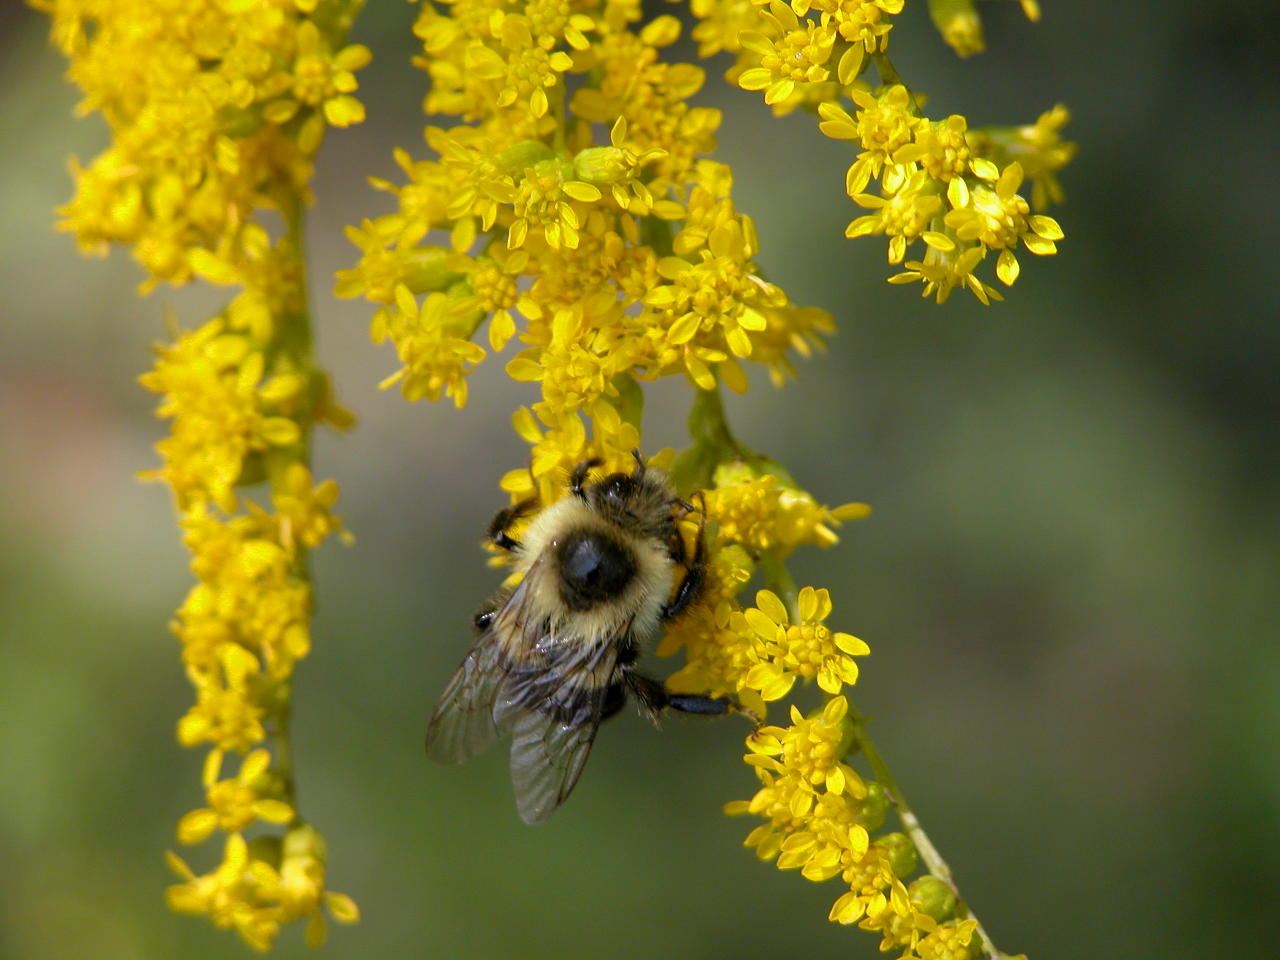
<point>237,802</point>
<point>789,55</point>
<point>259,887</point>
<point>807,649</point>
<point>999,217</point>
<point>959,24</point>
<point>905,215</point>
<point>216,110</point>
<point>811,749</point>
<point>322,79</point>
<point>435,358</point>
<point>620,262</point>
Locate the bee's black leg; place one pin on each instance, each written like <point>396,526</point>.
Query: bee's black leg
<point>695,571</point>
<point>497,532</point>
<point>653,698</point>
<point>579,476</point>
<point>614,699</point>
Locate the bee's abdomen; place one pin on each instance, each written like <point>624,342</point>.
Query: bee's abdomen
<point>594,568</point>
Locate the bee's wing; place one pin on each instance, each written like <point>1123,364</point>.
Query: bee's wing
<point>552,700</point>
<point>548,752</point>
<point>463,724</point>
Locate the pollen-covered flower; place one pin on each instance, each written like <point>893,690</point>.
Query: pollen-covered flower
<point>998,217</point>
<point>322,79</point>
<point>881,125</point>
<point>790,53</point>
<point>807,649</point>
<point>811,749</point>
<point>435,358</point>
<point>760,513</point>
<point>905,215</point>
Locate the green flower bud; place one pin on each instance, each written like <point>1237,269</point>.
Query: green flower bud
<point>873,807</point>
<point>936,898</point>
<point>525,154</point>
<point>900,851</point>
<point>600,165</point>
<point>428,272</point>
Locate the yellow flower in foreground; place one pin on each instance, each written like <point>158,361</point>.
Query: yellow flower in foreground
<point>237,802</point>
<point>796,55</point>
<point>812,748</point>
<point>805,649</point>
<point>263,885</point>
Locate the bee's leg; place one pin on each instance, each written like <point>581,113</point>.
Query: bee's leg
<point>614,699</point>
<point>497,532</point>
<point>579,476</point>
<point>653,698</point>
<point>695,571</point>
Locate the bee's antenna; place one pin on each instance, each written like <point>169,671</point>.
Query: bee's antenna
<point>640,468</point>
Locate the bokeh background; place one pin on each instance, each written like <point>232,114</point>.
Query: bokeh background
<point>1069,581</point>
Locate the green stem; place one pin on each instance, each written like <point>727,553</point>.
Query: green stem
<point>890,77</point>
<point>933,861</point>
<point>558,111</point>
<point>713,443</point>
<point>294,346</point>
<point>778,579</point>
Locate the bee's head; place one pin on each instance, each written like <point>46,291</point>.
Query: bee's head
<point>615,492</point>
<point>640,501</point>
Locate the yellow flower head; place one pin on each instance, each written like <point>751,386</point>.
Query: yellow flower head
<point>805,649</point>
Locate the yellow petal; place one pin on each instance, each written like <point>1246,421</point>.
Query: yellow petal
<point>771,606</point>
<point>196,826</point>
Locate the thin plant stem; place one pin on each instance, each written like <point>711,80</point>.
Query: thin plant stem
<point>715,433</point>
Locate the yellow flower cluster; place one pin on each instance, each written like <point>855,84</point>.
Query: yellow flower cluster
<point>572,208</point>
<point>952,189</point>
<point>820,815</point>
<point>573,211</point>
<point>216,109</point>
<point>819,812</point>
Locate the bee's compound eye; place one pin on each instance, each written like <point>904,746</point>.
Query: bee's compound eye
<point>593,568</point>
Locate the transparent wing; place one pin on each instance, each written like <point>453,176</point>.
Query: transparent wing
<point>553,705</point>
<point>462,724</point>
<point>545,685</point>
<point>548,754</point>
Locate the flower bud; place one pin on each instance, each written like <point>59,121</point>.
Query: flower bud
<point>936,898</point>
<point>900,851</point>
<point>873,807</point>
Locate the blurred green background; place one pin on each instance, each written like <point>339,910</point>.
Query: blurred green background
<point>1068,582</point>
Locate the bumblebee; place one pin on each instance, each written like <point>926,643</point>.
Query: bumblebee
<point>555,655</point>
